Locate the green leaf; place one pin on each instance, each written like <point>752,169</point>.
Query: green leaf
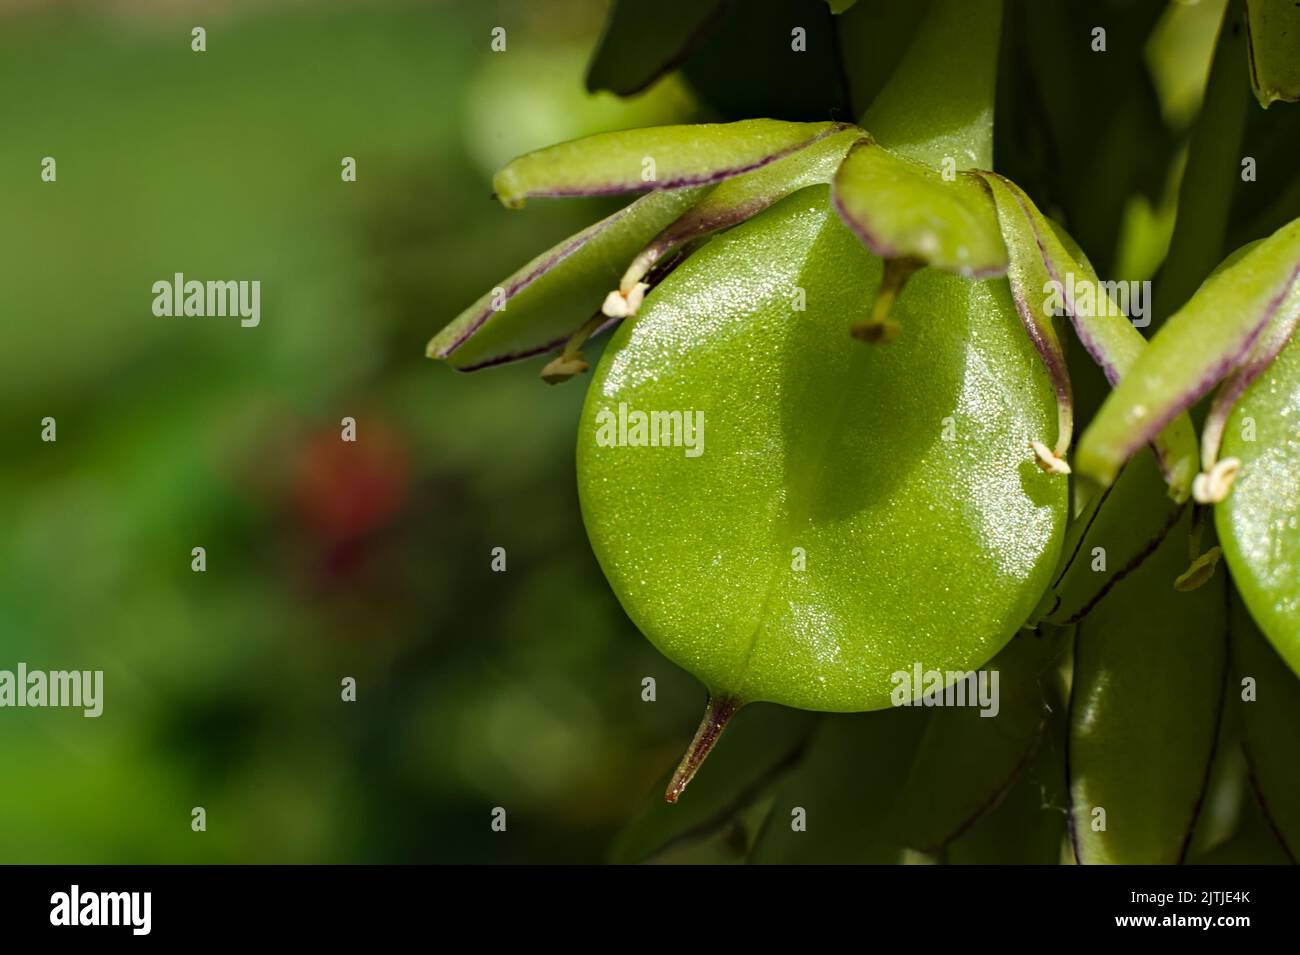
<point>1178,53</point>
<point>939,103</point>
<point>1198,346</point>
<point>1268,726</point>
<point>1257,522</point>
<point>1110,540</point>
<point>644,39</point>
<point>734,200</point>
<point>775,58</point>
<point>843,793</point>
<point>1144,711</point>
<point>655,158</point>
<point>971,755</point>
<point>1273,28</point>
<point>765,744</point>
<point>839,6</point>
<point>538,307</point>
<point>1027,826</point>
<point>729,844</point>
<point>1068,115</point>
<point>873,39</point>
<point>1049,278</point>
<point>818,452</point>
<point>901,208</point>
<point>1253,843</point>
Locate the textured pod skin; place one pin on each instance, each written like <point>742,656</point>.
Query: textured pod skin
<point>1259,522</point>
<point>918,548</point>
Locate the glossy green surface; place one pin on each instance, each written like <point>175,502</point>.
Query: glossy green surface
<point>917,548</point>
<point>1198,346</point>
<point>1259,522</point>
<point>657,157</point>
<point>546,300</point>
<point>1147,691</point>
<point>902,208</point>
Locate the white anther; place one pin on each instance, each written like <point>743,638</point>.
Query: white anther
<point>1212,486</point>
<point>1047,459</point>
<point>617,305</point>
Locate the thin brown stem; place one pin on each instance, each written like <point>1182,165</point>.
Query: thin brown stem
<point>716,717</point>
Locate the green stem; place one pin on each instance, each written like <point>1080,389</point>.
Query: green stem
<point>938,104</point>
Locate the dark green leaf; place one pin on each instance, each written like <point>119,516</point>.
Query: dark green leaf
<point>644,39</point>
<point>1144,711</point>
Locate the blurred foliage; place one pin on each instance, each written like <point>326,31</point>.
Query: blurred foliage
<point>325,559</point>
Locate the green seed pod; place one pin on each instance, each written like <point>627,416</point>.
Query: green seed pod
<point>1258,522</point>
<point>901,208</point>
<point>859,512</point>
<point>1045,259</point>
<point>656,158</point>
<point>806,538</point>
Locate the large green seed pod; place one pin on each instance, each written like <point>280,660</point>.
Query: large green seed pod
<point>795,517</point>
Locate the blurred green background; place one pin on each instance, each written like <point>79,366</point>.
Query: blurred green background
<point>324,559</point>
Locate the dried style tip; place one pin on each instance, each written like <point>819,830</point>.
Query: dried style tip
<point>875,331</point>
<point>1200,572</point>
<point>563,368</point>
<point>716,716</point>
<point>570,361</point>
<point>1212,486</point>
<point>620,305</point>
<point>1049,460</point>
